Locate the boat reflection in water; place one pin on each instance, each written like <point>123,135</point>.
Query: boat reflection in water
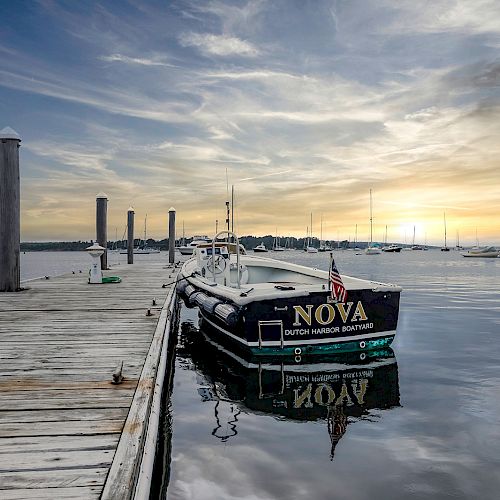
<point>338,389</point>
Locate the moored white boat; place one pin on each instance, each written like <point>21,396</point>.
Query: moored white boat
<point>260,248</point>
<point>188,249</point>
<point>484,252</point>
<point>310,249</point>
<point>267,306</point>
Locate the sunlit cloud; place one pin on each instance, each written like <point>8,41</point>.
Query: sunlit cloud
<point>218,45</point>
<point>152,105</point>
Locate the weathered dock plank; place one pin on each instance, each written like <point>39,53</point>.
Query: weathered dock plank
<point>61,418</point>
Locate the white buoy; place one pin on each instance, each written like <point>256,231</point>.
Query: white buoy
<point>95,251</point>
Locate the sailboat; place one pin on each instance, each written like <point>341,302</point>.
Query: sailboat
<point>356,248</point>
<point>323,246</point>
<point>309,247</point>
<point>142,247</point>
<point>276,245</point>
<point>371,249</point>
<point>445,248</point>
<point>458,246</point>
<point>414,246</point>
<point>114,247</point>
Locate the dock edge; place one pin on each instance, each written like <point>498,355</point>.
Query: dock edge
<point>131,470</point>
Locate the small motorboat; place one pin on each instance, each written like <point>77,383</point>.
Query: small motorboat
<point>484,252</point>
<point>372,250</point>
<point>267,306</point>
<point>260,248</point>
<point>188,249</point>
<point>392,248</point>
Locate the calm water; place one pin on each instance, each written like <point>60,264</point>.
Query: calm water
<point>421,422</point>
<point>38,264</point>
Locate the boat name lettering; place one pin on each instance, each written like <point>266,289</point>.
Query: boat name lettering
<point>327,377</point>
<point>325,313</point>
<point>324,395</point>
<point>328,330</point>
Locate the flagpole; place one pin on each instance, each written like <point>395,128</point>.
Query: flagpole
<point>330,284</point>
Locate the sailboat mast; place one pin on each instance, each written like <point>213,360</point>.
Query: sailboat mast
<point>386,234</point>
<point>356,235</point>
<point>371,220</point>
<point>145,221</point>
<point>321,231</point>
<point>444,214</point>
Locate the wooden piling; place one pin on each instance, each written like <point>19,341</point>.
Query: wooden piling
<point>171,235</point>
<point>101,223</point>
<point>130,235</point>
<point>10,233</point>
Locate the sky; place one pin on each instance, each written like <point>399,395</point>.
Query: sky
<point>302,106</point>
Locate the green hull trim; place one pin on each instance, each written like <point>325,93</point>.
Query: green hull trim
<point>339,347</point>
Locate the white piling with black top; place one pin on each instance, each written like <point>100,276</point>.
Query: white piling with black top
<point>171,235</point>
<point>130,235</point>
<point>10,209</point>
<point>101,223</point>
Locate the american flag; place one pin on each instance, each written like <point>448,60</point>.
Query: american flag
<point>337,288</point>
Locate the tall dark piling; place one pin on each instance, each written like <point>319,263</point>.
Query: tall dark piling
<point>171,235</point>
<point>130,235</point>
<point>101,224</point>
<point>10,232</point>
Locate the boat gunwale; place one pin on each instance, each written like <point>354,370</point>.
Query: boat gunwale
<point>235,294</point>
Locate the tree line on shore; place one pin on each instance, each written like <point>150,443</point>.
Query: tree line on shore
<point>248,242</point>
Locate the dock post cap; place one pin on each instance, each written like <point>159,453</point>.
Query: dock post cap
<point>9,133</point>
<point>101,195</point>
<point>95,249</point>
<point>171,209</point>
<point>130,209</point>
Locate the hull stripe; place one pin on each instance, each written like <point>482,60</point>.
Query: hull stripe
<point>277,343</point>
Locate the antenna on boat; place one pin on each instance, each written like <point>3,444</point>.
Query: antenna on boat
<point>228,210</point>
<point>232,208</point>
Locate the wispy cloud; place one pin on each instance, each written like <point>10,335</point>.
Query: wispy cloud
<point>219,45</point>
<point>136,60</point>
<point>316,105</point>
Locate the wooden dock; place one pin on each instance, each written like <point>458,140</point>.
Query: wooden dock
<point>61,418</point>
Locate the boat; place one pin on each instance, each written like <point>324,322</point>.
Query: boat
<point>260,248</point>
<point>268,306</point>
<point>458,246</point>
<point>392,248</point>
<point>445,248</point>
<point>142,247</point>
<point>324,246</point>
<point>484,252</point>
<point>188,249</point>
<point>309,248</point>
<point>372,249</point>
<point>276,244</point>
<point>333,390</point>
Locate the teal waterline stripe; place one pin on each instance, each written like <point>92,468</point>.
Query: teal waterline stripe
<point>328,348</point>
